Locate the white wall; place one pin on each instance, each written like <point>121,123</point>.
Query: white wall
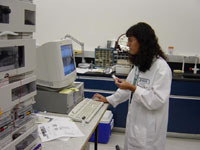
<point>176,22</point>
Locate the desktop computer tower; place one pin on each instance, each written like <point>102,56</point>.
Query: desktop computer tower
<point>57,101</point>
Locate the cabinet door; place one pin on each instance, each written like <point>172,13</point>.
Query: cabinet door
<point>184,116</point>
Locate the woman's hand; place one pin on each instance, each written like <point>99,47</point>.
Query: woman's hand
<point>122,84</point>
<point>100,98</point>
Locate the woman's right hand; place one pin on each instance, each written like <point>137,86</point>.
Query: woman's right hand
<point>100,98</point>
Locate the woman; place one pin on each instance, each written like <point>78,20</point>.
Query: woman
<point>148,88</point>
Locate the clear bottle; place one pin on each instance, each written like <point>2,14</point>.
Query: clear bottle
<point>170,50</point>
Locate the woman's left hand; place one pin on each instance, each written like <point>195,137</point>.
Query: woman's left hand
<point>122,84</point>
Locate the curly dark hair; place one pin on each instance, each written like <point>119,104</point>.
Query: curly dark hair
<point>148,46</point>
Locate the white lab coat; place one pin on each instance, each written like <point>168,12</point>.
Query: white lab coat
<point>147,117</point>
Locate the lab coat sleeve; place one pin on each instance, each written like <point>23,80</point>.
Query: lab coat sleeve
<point>155,97</point>
<point>120,95</point>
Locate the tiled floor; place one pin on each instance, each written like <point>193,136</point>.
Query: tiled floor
<point>171,144</point>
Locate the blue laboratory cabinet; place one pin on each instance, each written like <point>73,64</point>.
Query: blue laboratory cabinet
<point>184,106</point>
<point>184,103</point>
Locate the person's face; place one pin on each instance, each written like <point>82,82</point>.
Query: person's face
<point>133,45</point>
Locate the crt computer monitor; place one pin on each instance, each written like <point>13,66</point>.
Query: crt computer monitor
<point>55,64</point>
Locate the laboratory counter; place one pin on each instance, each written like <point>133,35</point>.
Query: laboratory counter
<point>175,76</point>
<point>186,77</point>
<point>184,102</point>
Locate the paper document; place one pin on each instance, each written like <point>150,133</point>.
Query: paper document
<point>58,127</point>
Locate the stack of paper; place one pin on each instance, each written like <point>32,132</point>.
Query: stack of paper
<point>57,127</point>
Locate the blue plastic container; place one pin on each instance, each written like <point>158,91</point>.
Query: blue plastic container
<point>104,128</point>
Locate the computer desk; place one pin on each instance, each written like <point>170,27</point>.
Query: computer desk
<point>80,142</point>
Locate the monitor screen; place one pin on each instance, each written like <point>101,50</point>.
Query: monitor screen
<point>67,58</point>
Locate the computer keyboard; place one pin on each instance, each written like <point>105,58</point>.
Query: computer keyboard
<point>86,109</point>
